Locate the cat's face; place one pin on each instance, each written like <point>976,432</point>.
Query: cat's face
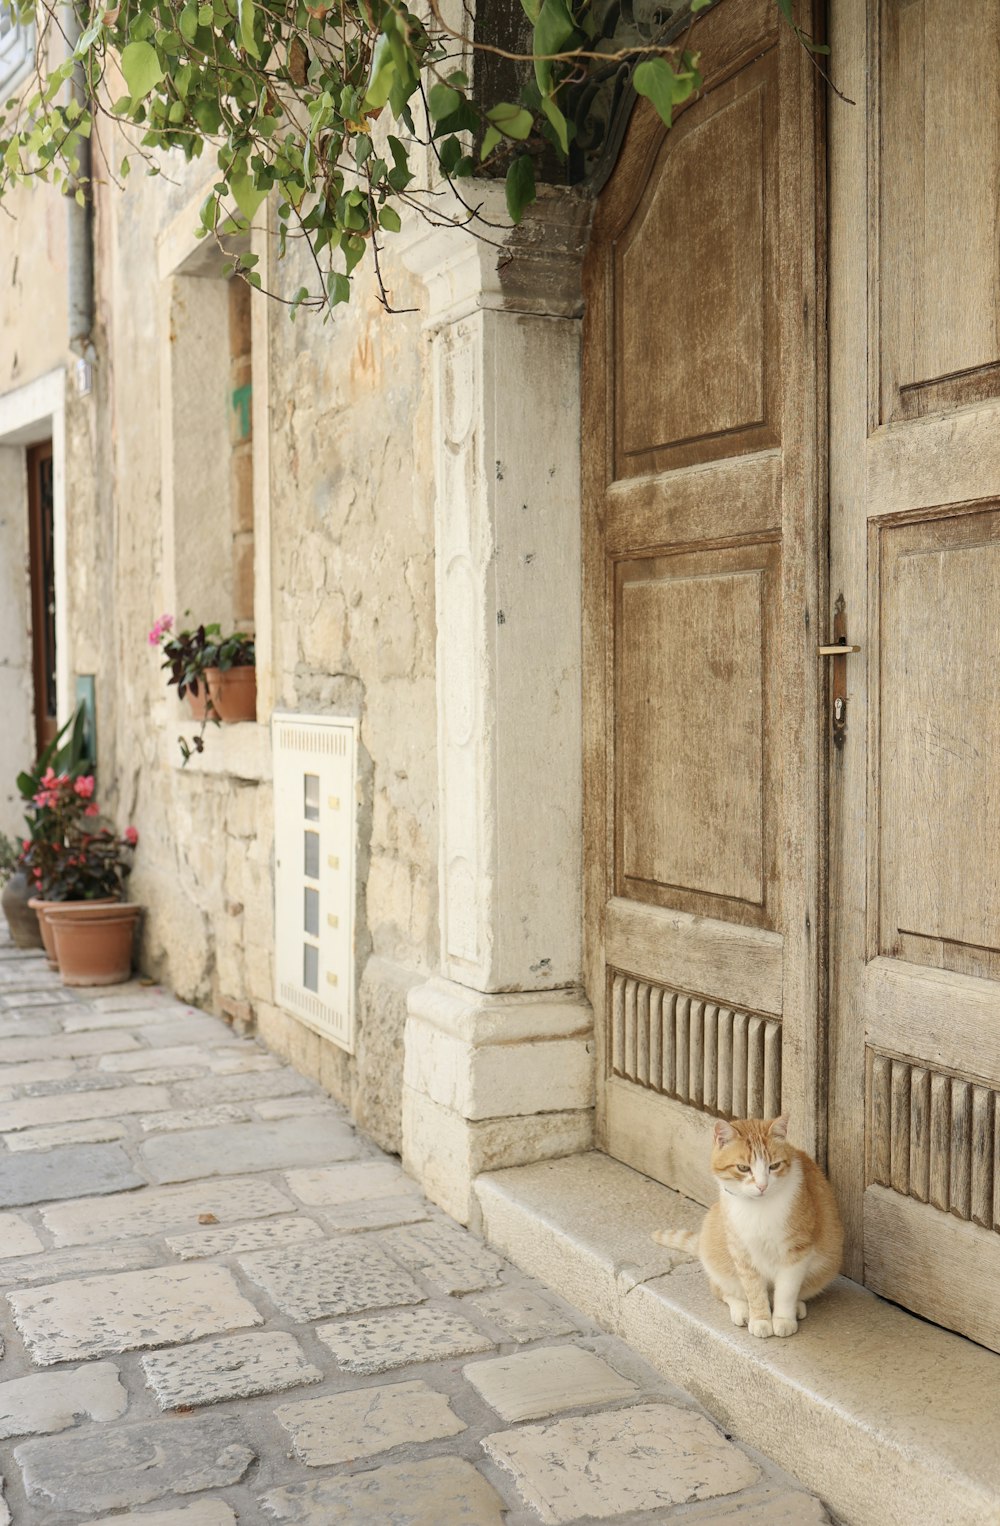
<point>751,1155</point>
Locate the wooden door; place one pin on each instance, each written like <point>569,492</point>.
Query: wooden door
<point>702,409</point>
<point>41,551</point>
<point>915,558</point>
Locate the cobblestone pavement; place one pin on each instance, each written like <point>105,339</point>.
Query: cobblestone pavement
<point>221,1303</point>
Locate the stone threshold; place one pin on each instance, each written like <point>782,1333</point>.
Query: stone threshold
<point>888,1418</point>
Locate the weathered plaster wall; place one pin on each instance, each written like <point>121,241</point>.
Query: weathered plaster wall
<point>350,556</point>
<point>32,286</point>
<point>16,687</point>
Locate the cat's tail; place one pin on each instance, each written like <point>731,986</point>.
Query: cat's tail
<point>678,1239</point>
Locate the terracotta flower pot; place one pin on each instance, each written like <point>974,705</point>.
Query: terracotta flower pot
<point>21,918</point>
<point>94,941</point>
<point>42,908</point>
<point>234,694</point>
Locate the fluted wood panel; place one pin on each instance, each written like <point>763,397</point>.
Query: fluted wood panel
<point>935,1138</point>
<point>704,1053</point>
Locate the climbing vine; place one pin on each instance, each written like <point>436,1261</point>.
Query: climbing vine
<point>330,104</point>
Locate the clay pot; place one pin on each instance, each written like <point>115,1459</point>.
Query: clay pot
<point>42,908</point>
<point>94,940</point>
<point>22,919</point>
<point>234,695</point>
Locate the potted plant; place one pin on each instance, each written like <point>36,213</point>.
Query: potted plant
<point>217,673</point>
<point>78,872</point>
<point>66,754</point>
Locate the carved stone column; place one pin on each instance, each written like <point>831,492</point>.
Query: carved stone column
<point>499,1064</point>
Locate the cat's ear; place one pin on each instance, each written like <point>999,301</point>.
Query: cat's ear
<point>724,1132</point>
<point>778,1128</point>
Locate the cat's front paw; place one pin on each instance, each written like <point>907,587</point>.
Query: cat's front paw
<point>761,1327</point>
<point>739,1312</point>
<point>784,1326</point>
<point>801,1311</point>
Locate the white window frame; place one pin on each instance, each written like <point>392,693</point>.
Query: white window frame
<point>17,52</point>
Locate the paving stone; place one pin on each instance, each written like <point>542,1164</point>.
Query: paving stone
<point>37,1070</point>
<point>163,1208</point>
<point>269,1083</point>
<point>53,1265</point>
<point>153,1059</point>
<point>536,1383</point>
<point>63,1046</point>
<point>30,1026</point>
<point>645,1458</point>
<point>524,1315</point>
<point>53,1401</point>
<point>17,1238</point>
<point>223,1240</point>
<point>451,1258</point>
<point>294,1107</point>
<point>191,1028</point>
<point>37,994</point>
<point>395,1340</point>
<point>788,1509</point>
<point>71,1108</point>
<point>95,1315</point>
<point>206,1512</point>
<point>358,1183</point>
<point>331,1277</point>
<point>85,1081</point>
<point>44,1175</point>
<point>126,1465</point>
<point>361,1423</point>
<point>441,1491</point>
<point>192,1118</point>
<point>243,1147</point>
<point>89,1020</point>
<point>4,1512</point>
<point>236,1065</point>
<point>233,1368</point>
<point>91,1131</point>
<point>384,1213</point>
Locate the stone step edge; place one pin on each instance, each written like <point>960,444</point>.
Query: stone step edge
<point>850,1457</point>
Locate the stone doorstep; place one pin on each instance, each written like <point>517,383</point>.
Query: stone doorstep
<point>886,1417</point>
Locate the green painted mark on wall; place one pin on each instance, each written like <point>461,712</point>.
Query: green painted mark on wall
<point>241,405</point>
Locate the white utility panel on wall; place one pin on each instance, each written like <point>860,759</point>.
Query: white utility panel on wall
<point>315,774</point>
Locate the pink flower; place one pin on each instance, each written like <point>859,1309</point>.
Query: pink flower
<point>131,836</point>
<point>84,786</point>
<point>160,629</point>
<point>93,809</point>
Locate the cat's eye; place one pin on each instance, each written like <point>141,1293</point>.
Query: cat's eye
<point>744,1169</point>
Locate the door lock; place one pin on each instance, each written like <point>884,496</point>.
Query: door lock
<point>839,649</point>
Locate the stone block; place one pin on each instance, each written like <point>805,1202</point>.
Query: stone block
<point>454,1260</point>
<point>525,1315</point>
<point>159,1209</point>
<point>73,1107</point>
<point>17,1238</point>
<point>64,1046</point>
<point>40,1070</point>
<point>535,1383</point>
<point>356,1183</point>
<point>45,1175</point>
<point>124,1465</point>
<point>223,1240</point>
<point>440,1491</point>
<point>170,1055</point>
<point>233,1368</point>
<point>90,1131</point>
<point>344,1427</point>
<point>331,1277</point>
<point>383,1341</point>
<point>53,1401</point>
<point>247,1147</point>
<point>54,1265</point>
<point>68,1320</point>
<point>206,1512</point>
<point>276,1083</point>
<point>294,1107</point>
<point>193,1118</point>
<point>784,1509</point>
<point>649,1457</point>
<point>383,1213</point>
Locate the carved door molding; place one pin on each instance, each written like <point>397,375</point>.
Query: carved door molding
<point>703,416</point>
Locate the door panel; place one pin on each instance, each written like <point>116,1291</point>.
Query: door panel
<point>915,556</point>
<point>701,541</point>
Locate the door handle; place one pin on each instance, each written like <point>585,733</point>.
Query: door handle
<point>838,649</point>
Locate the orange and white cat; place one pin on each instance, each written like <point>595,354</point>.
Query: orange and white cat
<point>775,1232</point>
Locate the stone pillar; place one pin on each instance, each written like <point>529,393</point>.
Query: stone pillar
<point>499,1061</point>
<point>241,452</point>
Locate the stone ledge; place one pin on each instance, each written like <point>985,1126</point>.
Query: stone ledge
<point>889,1418</point>
<point>238,751</point>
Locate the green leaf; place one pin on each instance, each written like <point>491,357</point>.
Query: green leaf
<point>188,22</point>
<point>141,69</point>
<point>557,122</point>
<point>699,5</point>
<point>513,121</point>
<point>553,33</point>
<point>383,75</point>
<point>654,78</point>
<point>206,15</point>
<point>248,198</point>
<point>339,288</point>
<point>458,78</point>
<point>389,218</point>
<point>531,9</point>
<point>491,137</point>
<point>520,186</point>
<point>354,249</point>
<point>246,11</point>
<point>443,100</point>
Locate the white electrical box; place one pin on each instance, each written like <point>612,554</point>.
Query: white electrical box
<point>315,789</point>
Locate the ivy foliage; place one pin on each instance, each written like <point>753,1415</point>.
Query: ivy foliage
<point>328,103</point>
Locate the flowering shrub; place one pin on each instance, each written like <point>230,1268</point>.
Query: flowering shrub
<point>189,654</point>
<point>65,859</point>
